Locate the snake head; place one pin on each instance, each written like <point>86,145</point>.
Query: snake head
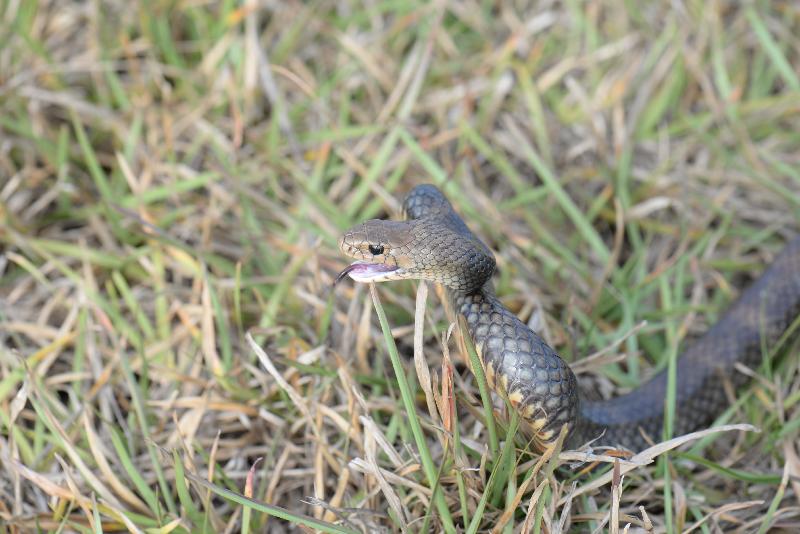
<point>380,249</point>
<point>430,248</point>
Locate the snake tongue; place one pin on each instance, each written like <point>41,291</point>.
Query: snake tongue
<point>364,272</point>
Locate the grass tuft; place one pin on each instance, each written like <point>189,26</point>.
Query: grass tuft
<point>174,176</point>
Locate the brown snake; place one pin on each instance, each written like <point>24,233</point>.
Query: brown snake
<point>434,244</point>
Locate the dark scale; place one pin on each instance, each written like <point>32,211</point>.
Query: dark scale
<point>542,383</point>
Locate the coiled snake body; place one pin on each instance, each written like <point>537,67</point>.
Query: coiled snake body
<point>434,244</point>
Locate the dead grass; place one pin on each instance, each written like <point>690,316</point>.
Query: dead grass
<point>174,175</point>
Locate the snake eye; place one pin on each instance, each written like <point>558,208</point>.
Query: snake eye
<point>376,250</point>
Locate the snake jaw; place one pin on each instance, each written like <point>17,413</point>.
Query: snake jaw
<point>364,272</point>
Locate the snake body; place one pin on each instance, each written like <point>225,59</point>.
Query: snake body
<point>434,243</point>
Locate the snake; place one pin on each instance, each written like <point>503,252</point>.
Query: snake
<point>433,243</point>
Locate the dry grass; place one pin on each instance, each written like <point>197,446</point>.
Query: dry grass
<point>174,175</point>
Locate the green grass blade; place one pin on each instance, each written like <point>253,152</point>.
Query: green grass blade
<point>269,509</point>
<point>483,387</point>
<point>411,411</point>
<point>772,49</point>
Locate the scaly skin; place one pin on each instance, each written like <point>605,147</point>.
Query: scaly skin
<point>435,244</point>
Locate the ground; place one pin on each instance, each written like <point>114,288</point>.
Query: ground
<point>174,175</point>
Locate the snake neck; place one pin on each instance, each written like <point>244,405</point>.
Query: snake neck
<point>519,364</point>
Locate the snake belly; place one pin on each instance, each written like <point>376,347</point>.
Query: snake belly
<point>434,243</point>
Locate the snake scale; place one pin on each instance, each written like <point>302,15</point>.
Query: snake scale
<point>433,243</point>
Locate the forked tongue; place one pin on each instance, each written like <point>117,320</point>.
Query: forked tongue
<point>362,270</point>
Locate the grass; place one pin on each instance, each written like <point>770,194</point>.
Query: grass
<point>174,176</point>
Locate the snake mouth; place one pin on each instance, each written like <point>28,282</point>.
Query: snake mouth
<point>362,271</point>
